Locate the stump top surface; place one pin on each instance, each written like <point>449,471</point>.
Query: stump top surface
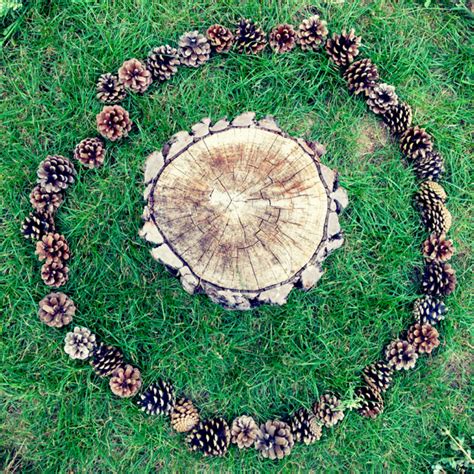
<point>245,208</point>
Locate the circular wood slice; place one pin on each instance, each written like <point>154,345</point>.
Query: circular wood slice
<point>242,211</point>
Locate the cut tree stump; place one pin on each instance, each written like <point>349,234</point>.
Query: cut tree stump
<point>241,211</point>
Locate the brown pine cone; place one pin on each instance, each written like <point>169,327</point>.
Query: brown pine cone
<point>398,118</point>
<point>125,381</point>
<point>90,152</point>
<point>371,404</point>
<point>42,201</point>
<point>106,359</point>
<point>55,174</point>
<point>113,122</point>
<point>194,49</point>
<point>312,33</point>
<point>55,273</point>
<point>439,279</point>
<point>381,98</point>
<point>401,355</point>
<point>328,410</point>
<point>135,76</point>
<point>429,310</point>
<point>184,416</point>
<point>274,440</point>
<point>244,431</point>
<point>438,248</point>
<point>53,247</point>
<point>415,143</point>
<point>428,193</point>
<point>110,89</point>
<point>210,437</point>
<point>249,38</point>
<point>282,38</point>
<point>36,225</point>
<point>305,427</point>
<point>56,310</point>
<point>162,62</point>
<point>436,218</point>
<point>220,38</point>
<point>429,167</point>
<point>378,376</point>
<point>361,76</point>
<point>424,338</point>
<point>343,48</point>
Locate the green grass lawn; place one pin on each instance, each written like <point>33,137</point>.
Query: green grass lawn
<point>56,415</point>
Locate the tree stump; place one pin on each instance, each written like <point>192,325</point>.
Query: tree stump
<point>241,211</point>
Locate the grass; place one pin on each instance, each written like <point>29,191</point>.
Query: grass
<point>55,415</point>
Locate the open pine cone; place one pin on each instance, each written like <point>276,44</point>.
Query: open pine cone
<point>55,273</point>
<point>328,410</point>
<point>436,218</point>
<point>249,38</point>
<point>305,427</point>
<point>110,90</point>
<point>113,122</point>
<point>429,167</point>
<point>194,49</point>
<point>53,247</point>
<point>79,344</point>
<point>371,404</point>
<point>184,416</point>
<point>428,193</point>
<point>361,76</point>
<point>275,440</point>
<point>125,381</point>
<point>423,337</point>
<point>398,118</point>
<point>415,143</point>
<point>36,225</point>
<point>381,98</point>
<point>312,33</point>
<point>42,201</point>
<point>90,152</point>
<point>56,310</point>
<point>244,431</point>
<point>106,359</point>
<point>282,38</point>
<point>438,248</point>
<point>220,38</point>
<point>378,376</point>
<point>439,279</point>
<point>400,355</point>
<point>210,437</point>
<point>429,310</point>
<point>135,76</point>
<point>158,398</point>
<point>162,62</point>
<point>55,174</point>
<point>343,48</point>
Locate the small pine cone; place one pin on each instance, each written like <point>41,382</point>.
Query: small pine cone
<point>343,48</point>
<point>249,38</point>
<point>436,218</point>
<point>36,225</point>
<point>210,437</point>
<point>135,76</point>
<point>158,399</point>
<point>194,49</point>
<point>53,247</point>
<point>113,122</point>
<point>55,273</point>
<point>415,143</point>
<point>56,310</point>
<point>79,344</point>
<point>162,62</point>
<point>438,248</point>
<point>184,416</point>
<point>371,404</point>
<point>428,193</point>
<point>439,279</point>
<point>378,376</point>
<point>274,440</point>
<point>429,167</point>
<point>220,38</point>
<point>398,118</point>
<point>90,152</point>
<point>244,431</point>
<point>110,90</point>
<point>429,310</point>
<point>305,427</point>
<point>423,337</point>
<point>400,355</point>
<point>55,174</point>
<point>312,33</point>
<point>42,201</point>
<point>282,38</point>
<point>361,77</point>
<point>125,381</point>
<point>328,410</point>
<point>381,98</point>
<point>106,359</point>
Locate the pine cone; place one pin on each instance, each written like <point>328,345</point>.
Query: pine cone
<point>428,193</point>
<point>184,416</point>
<point>328,410</point>
<point>305,427</point>
<point>125,381</point>
<point>244,431</point>
<point>55,174</point>
<point>106,359</point>
<point>361,76</point>
<point>36,225</point>
<point>211,437</point>
<point>135,76</point>
<point>249,38</point>
<point>415,143</point>
<point>56,310</point>
<point>429,310</point>
<point>55,273</point>
<point>371,404</point>
<point>343,48</point>
<point>158,398</point>
<point>400,355</point>
<point>378,376</point>
<point>162,62</point>
<point>90,152</point>
<point>220,38</point>
<point>194,49</point>
<point>436,218</point>
<point>381,98</point>
<point>274,440</point>
<point>42,201</point>
<point>398,118</point>
<point>110,89</point>
<point>429,167</point>
<point>79,344</point>
<point>438,248</point>
<point>424,338</point>
<point>52,247</point>
<point>113,122</point>
<point>282,38</point>
<point>312,33</point>
<point>439,279</point>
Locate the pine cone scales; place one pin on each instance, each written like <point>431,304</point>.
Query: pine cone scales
<point>381,98</point>
<point>244,431</point>
<point>312,33</point>
<point>343,48</point>
<point>36,225</point>
<point>371,404</point>
<point>361,76</point>
<point>52,247</point>
<point>423,337</point>
<point>436,218</point>
<point>110,89</point>
<point>106,359</point>
<point>211,437</point>
<point>305,427</point>
<point>162,62</point>
<point>194,49</point>
<point>415,143</point>
<point>125,381</point>
<point>328,410</point>
<point>55,273</point>
<point>274,440</point>
<point>439,279</point>
<point>135,76</point>
<point>398,118</point>
<point>158,399</point>
<point>56,310</point>
<point>90,152</point>
<point>401,355</point>
<point>113,122</point>
<point>220,38</point>
<point>438,248</point>
<point>79,344</point>
<point>429,167</point>
<point>42,201</point>
<point>378,376</point>
<point>249,38</point>
<point>282,38</point>
<point>184,416</point>
<point>429,310</point>
<point>55,174</point>
<point>428,193</point>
